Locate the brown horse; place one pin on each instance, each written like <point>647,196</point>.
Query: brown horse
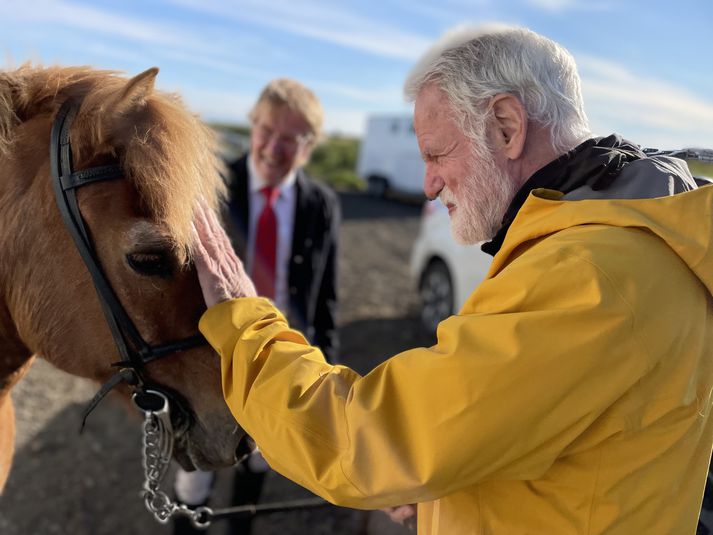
<point>140,228</point>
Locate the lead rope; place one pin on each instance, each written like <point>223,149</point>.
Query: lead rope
<point>158,446</point>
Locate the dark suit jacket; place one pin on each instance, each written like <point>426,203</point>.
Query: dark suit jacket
<point>312,279</point>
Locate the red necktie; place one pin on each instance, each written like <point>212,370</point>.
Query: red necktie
<point>263,271</point>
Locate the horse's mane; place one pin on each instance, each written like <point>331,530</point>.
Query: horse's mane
<point>165,150</point>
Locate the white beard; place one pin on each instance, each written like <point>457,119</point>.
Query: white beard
<point>484,197</point>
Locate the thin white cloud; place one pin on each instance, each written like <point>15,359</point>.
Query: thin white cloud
<point>217,106</point>
<point>93,20</point>
<point>175,41</point>
<point>661,112</point>
<point>122,54</point>
<point>216,64</point>
<point>371,96</point>
<point>446,11</point>
<point>552,5</point>
<point>557,6</point>
<point>320,21</point>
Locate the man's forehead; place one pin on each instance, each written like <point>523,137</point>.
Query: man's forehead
<point>282,117</point>
<point>431,105</point>
<point>431,96</point>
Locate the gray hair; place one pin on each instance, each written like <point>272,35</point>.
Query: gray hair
<point>472,64</point>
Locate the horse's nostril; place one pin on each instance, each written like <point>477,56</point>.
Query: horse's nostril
<point>245,447</point>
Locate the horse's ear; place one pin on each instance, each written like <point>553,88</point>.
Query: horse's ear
<point>136,90</point>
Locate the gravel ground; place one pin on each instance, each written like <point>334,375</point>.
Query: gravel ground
<point>64,483</point>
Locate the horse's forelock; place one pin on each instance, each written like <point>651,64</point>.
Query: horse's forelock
<point>167,152</point>
<point>170,156</point>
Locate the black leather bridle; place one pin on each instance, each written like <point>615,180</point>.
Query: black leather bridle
<point>135,352</point>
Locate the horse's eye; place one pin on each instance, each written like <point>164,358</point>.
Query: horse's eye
<point>153,264</point>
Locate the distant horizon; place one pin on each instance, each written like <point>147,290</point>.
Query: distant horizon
<point>646,70</point>
<point>706,153</point>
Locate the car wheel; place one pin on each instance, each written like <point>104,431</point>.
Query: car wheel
<point>436,291</point>
<point>377,186</point>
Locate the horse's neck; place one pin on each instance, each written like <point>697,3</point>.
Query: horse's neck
<point>20,194</point>
<point>16,190</point>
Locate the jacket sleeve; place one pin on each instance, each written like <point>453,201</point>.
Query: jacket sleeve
<point>510,384</point>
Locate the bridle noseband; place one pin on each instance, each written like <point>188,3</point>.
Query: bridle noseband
<point>135,352</point>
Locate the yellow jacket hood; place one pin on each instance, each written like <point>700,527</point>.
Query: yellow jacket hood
<point>684,221</point>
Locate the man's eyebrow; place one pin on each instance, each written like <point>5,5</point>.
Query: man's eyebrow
<point>434,152</point>
<point>427,154</point>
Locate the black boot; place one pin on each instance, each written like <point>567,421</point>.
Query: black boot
<point>247,486</point>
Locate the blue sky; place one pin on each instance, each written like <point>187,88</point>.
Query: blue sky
<point>646,66</point>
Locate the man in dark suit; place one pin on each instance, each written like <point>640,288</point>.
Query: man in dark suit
<point>310,300</point>
<point>284,226</point>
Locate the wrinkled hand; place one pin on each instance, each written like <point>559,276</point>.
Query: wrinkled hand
<point>220,271</point>
<point>404,515</point>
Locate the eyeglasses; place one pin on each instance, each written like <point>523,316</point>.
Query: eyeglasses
<point>264,133</point>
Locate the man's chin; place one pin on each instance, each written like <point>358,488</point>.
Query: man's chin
<point>464,236</point>
<point>469,232</point>
<point>469,238</point>
<point>272,175</point>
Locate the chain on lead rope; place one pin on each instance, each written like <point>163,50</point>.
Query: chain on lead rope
<point>158,447</point>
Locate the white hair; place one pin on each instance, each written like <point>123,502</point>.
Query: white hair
<point>471,64</point>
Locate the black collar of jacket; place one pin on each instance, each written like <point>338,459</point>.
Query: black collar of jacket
<point>595,163</point>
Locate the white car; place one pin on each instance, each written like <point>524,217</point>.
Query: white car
<point>445,272</point>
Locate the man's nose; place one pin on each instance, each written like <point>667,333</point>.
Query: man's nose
<point>432,184</point>
<point>274,145</point>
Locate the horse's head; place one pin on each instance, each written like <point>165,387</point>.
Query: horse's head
<point>139,227</point>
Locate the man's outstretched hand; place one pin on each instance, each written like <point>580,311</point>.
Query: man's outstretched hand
<point>220,271</point>
<point>404,515</point>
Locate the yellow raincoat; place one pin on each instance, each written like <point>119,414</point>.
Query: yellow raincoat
<point>570,395</point>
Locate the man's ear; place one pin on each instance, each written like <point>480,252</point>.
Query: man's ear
<point>508,125</point>
<point>306,153</point>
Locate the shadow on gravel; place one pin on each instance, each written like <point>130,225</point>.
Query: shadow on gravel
<point>64,483</point>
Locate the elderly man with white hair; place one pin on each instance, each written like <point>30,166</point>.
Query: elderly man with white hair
<point>572,392</point>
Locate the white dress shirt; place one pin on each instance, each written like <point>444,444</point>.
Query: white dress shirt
<point>284,208</point>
